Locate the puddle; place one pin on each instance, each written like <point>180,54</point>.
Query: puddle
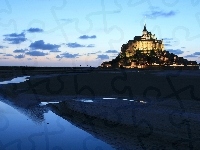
<point>124,99</point>
<point>47,133</point>
<point>109,98</point>
<point>16,80</point>
<point>45,103</point>
<point>87,101</point>
<point>143,102</point>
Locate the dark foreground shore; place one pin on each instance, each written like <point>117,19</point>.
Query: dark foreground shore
<point>150,109</point>
<point>132,125</point>
<point>175,84</point>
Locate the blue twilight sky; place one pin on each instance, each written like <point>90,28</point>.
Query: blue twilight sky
<point>88,32</point>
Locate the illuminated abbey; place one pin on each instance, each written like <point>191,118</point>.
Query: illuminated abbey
<point>145,43</point>
<point>147,51</point>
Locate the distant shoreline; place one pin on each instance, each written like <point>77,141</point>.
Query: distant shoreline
<point>67,69</point>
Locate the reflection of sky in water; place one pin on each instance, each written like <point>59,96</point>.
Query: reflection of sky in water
<point>109,98</point>
<point>16,80</point>
<point>105,99</point>
<point>112,98</point>
<point>63,128</point>
<point>45,103</point>
<point>87,101</point>
<point>53,133</point>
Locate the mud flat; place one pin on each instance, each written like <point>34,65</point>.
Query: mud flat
<point>128,124</point>
<point>158,106</point>
<point>118,83</point>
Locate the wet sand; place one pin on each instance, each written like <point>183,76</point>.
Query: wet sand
<point>164,102</point>
<point>133,126</point>
<point>182,85</point>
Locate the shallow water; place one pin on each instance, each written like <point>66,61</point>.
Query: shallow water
<point>49,125</point>
<point>37,127</point>
<point>55,126</point>
<point>16,80</point>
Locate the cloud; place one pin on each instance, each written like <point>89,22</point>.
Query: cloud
<point>68,55</point>
<point>58,56</point>
<point>102,57</point>
<point>33,30</point>
<point>15,38</point>
<point>55,51</point>
<point>74,45</point>
<point>84,37</point>
<point>175,51</point>
<point>19,56</point>
<point>170,42</point>
<point>91,45</point>
<point>113,56</point>
<point>167,45</point>
<point>93,53</point>
<point>196,53</point>
<point>20,51</point>
<point>41,45</point>
<point>192,55</point>
<point>36,53</point>
<point>112,51</point>
<point>15,35</point>
<point>8,55</point>
<point>1,47</point>
<point>157,12</point>
<point>168,39</point>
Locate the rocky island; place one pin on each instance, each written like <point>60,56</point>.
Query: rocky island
<point>147,52</point>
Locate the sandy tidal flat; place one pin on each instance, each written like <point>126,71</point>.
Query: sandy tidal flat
<point>160,105</point>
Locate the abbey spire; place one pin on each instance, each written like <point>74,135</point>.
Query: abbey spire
<point>144,32</point>
<point>146,51</point>
<point>145,28</point>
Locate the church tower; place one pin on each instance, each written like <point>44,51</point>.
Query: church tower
<point>145,30</point>
<point>146,51</point>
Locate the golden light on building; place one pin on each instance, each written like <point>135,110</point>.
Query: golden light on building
<point>144,43</point>
<point>147,51</point>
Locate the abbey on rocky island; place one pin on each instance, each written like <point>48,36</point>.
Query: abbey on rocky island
<point>147,51</point>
